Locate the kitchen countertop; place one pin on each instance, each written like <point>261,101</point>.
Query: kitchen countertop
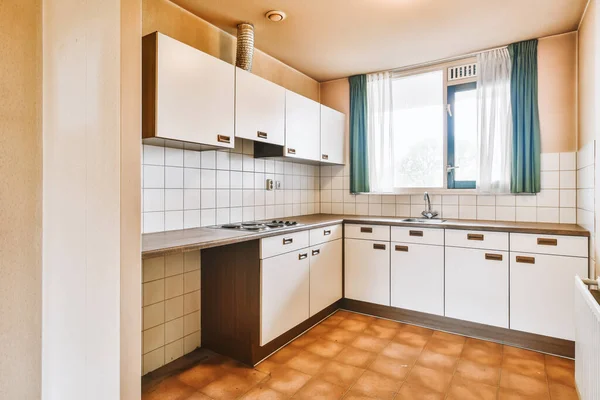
<point>163,243</point>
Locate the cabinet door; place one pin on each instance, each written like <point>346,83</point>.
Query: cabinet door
<point>325,275</point>
<point>477,286</point>
<point>367,271</point>
<point>302,127</point>
<point>284,293</point>
<point>259,108</point>
<point>542,292</point>
<point>333,127</point>
<point>418,277</point>
<point>194,95</point>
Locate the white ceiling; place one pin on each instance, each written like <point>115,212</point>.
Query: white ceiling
<point>329,39</point>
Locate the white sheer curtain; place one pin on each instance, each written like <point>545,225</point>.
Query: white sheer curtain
<point>380,132</point>
<point>494,121</point>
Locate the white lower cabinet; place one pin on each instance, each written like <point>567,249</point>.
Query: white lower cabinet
<point>325,275</point>
<point>285,291</point>
<point>418,277</point>
<point>542,292</point>
<point>367,271</point>
<point>477,285</point>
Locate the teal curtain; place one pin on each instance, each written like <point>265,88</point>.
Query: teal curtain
<point>359,162</point>
<point>525,176</point>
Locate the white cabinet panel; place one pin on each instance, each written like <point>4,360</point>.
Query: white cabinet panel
<point>368,232</point>
<point>418,277</point>
<point>194,95</point>
<point>259,109</point>
<point>477,239</point>
<point>575,246</point>
<point>333,126</point>
<point>477,286</point>
<point>285,282</point>
<point>302,127</point>
<point>325,234</point>
<point>325,275</point>
<point>280,244</point>
<point>541,293</point>
<point>367,271</point>
<point>417,235</point>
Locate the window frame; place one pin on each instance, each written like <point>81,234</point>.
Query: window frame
<point>450,152</point>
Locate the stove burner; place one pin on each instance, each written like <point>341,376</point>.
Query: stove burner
<point>230,226</point>
<point>258,225</point>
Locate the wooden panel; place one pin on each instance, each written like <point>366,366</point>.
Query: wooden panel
<point>565,348</point>
<point>149,65</point>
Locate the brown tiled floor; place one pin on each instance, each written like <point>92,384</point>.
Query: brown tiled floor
<point>353,356</point>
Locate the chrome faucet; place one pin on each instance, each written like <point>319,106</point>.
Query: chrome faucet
<point>428,213</point>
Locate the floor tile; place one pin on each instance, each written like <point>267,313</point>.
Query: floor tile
<point>437,361</point>
<point>411,391</point>
<point>444,347</point>
<point>418,329</point>
<point>332,321</point>
<point>284,355</point>
<point>559,361</point>
<point>307,362</point>
<point>325,348</point>
<point>377,385</point>
<point>353,325</point>
<point>411,338</point>
<point>522,353</point>
<point>386,323</point>
<point>462,389</point>
<point>320,389</point>
<point>248,373</point>
<point>356,357</point>
<point>380,331</point>
<point>197,396</point>
<point>401,352</point>
<point>343,313</point>
<point>523,384</point>
<point>524,366</point>
<point>429,378</point>
<point>286,380</point>
<point>448,336</point>
<point>319,330</point>
<point>561,375</point>
<point>361,317</point>
<point>478,372</point>
<point>355,395</point>
<point>340,336</point>
<point>201,375</point>
<point>343,375</point>
<point>263,393</point>
<point>369,343</point>
<point>391,367</point>
<point>229,386</point>
<point>562,392</point>
<point>304,340</point>
<point>511,394</point>
<point>169,389</point>
<point>482,356</point>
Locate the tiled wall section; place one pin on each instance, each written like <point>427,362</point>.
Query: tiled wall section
<point>187,188</point>
<point>555,203</point>
<point>586,160</point>
<point>171,308</point>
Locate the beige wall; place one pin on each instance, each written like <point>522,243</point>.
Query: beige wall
<point>557,92</point>
<point>170,19</point>
<point>20,199</point>
<point>588,71</point>
<point>557,66</point>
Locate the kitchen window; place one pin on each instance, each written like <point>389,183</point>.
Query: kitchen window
<point>462,136</point>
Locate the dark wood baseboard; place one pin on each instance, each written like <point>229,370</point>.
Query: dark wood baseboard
<point>545,344</point>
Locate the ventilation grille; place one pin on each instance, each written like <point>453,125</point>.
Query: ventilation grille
<point>462,72</point>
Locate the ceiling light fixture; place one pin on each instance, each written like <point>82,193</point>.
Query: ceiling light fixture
<point>275,16</point>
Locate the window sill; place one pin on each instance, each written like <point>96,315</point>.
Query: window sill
<point>447,192</point>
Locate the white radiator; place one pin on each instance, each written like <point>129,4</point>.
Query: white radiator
<point>587,342</point>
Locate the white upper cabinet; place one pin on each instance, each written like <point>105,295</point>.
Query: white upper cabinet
<point>260,109</point>
<point>302,127</point>
<point>188,95</point>
<point>333,126</point>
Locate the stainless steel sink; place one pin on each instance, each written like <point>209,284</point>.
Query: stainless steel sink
<point>424,220</point>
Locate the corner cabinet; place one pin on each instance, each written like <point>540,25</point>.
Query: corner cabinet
<point>302,127</point>
<point>187,95</point>
<point>259,109</point>
<point>333,127</point>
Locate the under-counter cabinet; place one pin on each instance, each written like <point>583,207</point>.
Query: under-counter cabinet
<point>541,283</point>
<point>417,269</point>
<point>333,126</point>
<point>187,95</point>
<point>325,275</point>
<point>302,127</point>
<point>259,109</point>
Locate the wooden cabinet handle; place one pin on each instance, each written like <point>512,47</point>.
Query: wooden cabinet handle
<point>291,151</point>
<point>364,229</point>
<point>415,233</point>
<point>493,257</point>
<point>302,256</point>
<point>327,232</point>
<point>401,248</point>
<point>223,139</point>
<point>325,157</point>
<point>288,240</point>
<point>526,260</point>
<point>547,242</point>
<point>262,135</point>
<point>378,246</point>
<point>474,236</point>
<point>316,252</point>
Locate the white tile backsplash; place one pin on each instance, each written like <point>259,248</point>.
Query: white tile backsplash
<point>584,214</point>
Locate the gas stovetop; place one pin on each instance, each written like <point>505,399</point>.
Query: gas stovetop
<point>257,226</point>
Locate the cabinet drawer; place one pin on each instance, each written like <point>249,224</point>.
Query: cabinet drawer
<point>477,239</point>
<point>574,246</point>
<point>417,235</point>
<point>281,244</point>
<point>325,234</point>
<point>369,232</point>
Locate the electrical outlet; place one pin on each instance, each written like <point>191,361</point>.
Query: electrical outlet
<point>269,184</point>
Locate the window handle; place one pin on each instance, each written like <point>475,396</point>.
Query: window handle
<point>450,168</point>
<point>449,109</point>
